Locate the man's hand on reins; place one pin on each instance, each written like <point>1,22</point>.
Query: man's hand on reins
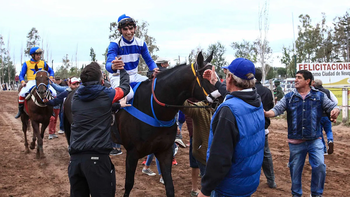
<point>155,72</point>
<point>23,83</point>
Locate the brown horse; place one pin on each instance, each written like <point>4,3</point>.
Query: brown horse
<point>37,112</point>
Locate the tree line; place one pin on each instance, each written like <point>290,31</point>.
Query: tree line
<point>314,43</point>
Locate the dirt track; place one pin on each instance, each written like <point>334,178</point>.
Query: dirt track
<point>23,175</point>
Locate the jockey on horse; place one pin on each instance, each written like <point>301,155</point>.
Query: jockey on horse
<point>28,68</point>
<point>127,50</point>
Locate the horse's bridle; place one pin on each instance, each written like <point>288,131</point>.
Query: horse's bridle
<point>199,80</point>
<point>38,92</point>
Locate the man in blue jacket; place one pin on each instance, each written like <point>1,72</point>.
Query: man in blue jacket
<point>237,135</point>
<point>305,106</point>
<point>91,171</point>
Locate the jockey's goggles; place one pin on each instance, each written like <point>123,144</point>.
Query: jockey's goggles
<point>126,22</point>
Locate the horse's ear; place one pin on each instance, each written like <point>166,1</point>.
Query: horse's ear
<point>208,60</point>
<point>200,59</point>
<point>36,67</point>
<point>46,67</point>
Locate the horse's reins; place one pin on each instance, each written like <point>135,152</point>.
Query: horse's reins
<point>47,92</point>
<point>195,73</point>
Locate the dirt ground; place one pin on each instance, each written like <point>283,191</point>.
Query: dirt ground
<point>21,175</point>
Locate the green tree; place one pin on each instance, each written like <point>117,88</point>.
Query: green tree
<point>271,72</point>
<point>289,61</point>
<point>282,72</point>
<point>244,49</point>
<point>2,53</point>
<point>342,37</point>
<point>93,55</point>
<point>33,40</point>
<point>218,60</point>
<point>308,41</point>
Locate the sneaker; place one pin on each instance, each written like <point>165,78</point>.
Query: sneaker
<point>325,153</point>
<point>180,143</point>
<point>51,136</point>
<point>161,180</point>
<point>176,149</point>
<point>174,161</point>
<point>116,152</point>
<point>144,161</point>
<point>315,195</point>
<point>60,132</point>
<point>194,193</point>
<point>330,147</point>
<point>148,171</point>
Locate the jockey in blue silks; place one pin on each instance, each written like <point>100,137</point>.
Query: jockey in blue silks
<point>126,51</point>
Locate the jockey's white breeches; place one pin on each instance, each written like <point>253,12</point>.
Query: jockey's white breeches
<point>31,84</point>
<point>115,81</point>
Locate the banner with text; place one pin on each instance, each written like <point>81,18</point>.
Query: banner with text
<point>331,74</point>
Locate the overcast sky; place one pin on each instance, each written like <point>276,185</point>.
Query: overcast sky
<point>70,26</point>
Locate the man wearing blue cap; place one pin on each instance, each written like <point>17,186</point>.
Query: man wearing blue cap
<point>126,51</point>
<point>28,68</point>
<point>237,135</point>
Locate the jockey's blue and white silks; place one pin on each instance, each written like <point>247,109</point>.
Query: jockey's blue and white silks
<point>130,52</point>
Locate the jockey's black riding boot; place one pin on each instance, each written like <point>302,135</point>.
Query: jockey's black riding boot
<point>20,110</point>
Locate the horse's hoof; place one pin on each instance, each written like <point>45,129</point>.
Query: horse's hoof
<point>32,146</point>
<point>26,151</point>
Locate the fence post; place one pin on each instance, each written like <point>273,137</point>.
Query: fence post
<point>345,104</point>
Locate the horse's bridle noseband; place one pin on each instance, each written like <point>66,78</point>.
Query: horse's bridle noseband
<point>47,92</point>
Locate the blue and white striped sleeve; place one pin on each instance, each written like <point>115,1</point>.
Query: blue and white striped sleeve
<point>147,57</point>
<point>112,53</point>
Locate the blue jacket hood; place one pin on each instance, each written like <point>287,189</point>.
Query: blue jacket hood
<point>89,91</point>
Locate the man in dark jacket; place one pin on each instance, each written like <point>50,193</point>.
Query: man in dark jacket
<point>91,171</point>
<point>237,135</point>
<point>267,101</point>
<point>326,124</point>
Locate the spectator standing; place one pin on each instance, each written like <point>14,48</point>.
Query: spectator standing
<point>267,101</point>
<point>236,140</point>
<point>305,106</point>
<point>326,123</point>
<point>278,91</point>
<point>91,171</point>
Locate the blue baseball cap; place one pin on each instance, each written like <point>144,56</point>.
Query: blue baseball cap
<point>241,67</point>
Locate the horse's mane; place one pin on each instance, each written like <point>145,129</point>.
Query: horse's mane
<point>167,72</point>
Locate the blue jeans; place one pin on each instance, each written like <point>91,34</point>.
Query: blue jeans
<point>116,145</point>
<point>297,157</point>
<point>149,160</point>
<point>326,124</point>
<point>179,136</point>
<point>61,120</point>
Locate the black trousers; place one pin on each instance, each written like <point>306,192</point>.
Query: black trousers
<point>91,174</point>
